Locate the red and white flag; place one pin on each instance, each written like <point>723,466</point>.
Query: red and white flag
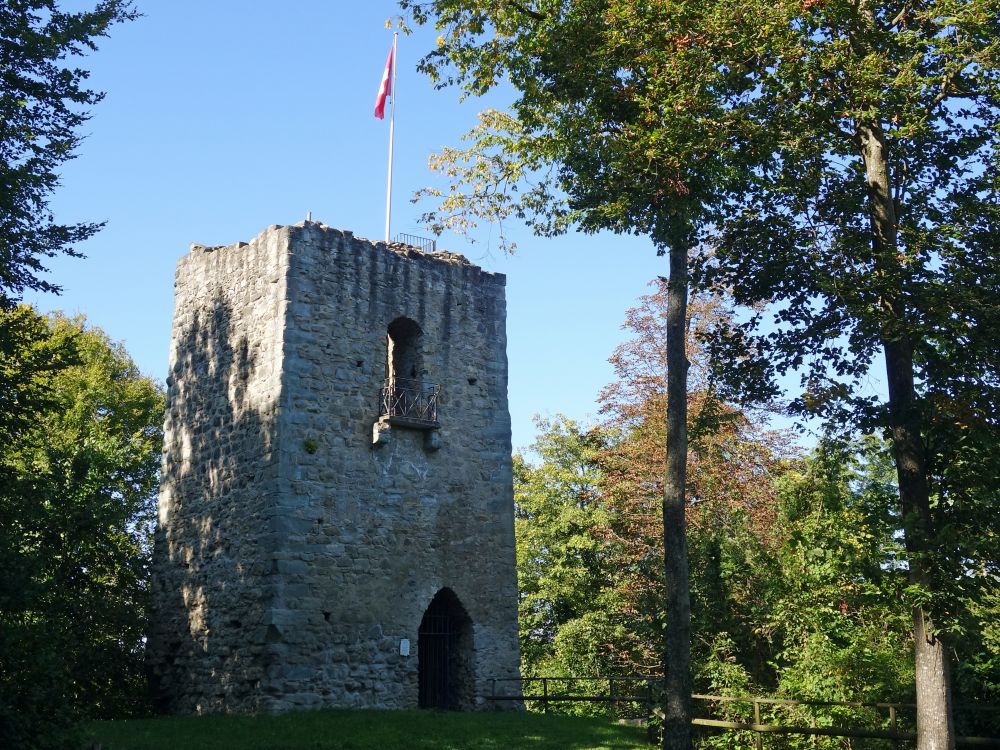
<point>384,88</point>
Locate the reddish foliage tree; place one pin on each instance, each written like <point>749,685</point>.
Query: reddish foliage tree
<point>733,461</point>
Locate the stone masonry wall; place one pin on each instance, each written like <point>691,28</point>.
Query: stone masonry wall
<point>219,475</point>
<point>294,556</point>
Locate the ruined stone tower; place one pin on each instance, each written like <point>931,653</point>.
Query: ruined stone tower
<point>336,513</point>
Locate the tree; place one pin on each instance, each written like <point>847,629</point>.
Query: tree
<point>43,104</point>
<point>587,545</point>
<point>77,493</point>
<point>589,532</point>
<point>565,560</point>
<point>733,464</point>
<point>874,131</point>
<point>601,140</point>
<point>839,160</point>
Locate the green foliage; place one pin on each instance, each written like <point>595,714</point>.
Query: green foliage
<point>828,76</point>
<point>977,668</point>
<point>873,132</point>
<point>78,477</point>
<point>43,103</point>
<point>720,672</point>
<point>562,554</point>
<point>616,125</point>
<point>30,356</point>
<point>369,730</point>
<point>734,571</point>
<point>813,609</point>
<point>839,607</point>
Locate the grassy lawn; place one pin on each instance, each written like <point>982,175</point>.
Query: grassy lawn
<point>367,730</point>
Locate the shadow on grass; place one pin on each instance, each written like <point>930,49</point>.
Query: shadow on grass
<point>367,730</point>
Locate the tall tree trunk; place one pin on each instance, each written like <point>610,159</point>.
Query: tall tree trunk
<point>677,641</point>
<point>935,728</point>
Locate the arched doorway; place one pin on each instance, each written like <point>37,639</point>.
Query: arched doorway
<point>444,654</point>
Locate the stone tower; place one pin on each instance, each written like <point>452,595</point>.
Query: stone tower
<point>336,513</point>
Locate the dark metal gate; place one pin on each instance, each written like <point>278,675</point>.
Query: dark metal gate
<point>436,646</point>
<point>444,639</point>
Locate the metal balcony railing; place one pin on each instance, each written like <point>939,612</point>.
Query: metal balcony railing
<point>409,402</point>
<point>426,244</point>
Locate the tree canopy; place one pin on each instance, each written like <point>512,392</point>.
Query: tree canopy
<point>78,478</point>
<point>43,104</point>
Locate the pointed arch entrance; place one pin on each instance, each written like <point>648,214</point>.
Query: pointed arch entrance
<point>444,654</point>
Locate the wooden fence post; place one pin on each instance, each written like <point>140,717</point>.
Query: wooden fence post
<point>759,739</point>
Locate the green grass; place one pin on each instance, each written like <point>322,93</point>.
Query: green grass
<point>367,730</point>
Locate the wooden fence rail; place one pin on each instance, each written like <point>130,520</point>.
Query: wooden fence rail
<point>644,692</point>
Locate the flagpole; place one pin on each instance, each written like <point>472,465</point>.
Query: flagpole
<point>392,122</point>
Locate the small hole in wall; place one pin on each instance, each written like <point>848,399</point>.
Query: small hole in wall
<point>472,381</point>
<point>273,634</point>
<point>326,616</point>
<point>359,363</point>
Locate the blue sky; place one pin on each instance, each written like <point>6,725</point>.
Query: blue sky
<point>223,117</point>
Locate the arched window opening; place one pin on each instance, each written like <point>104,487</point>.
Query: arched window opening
<point>403,360</point>
<point>445,655</point>
<point>407,398</point>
